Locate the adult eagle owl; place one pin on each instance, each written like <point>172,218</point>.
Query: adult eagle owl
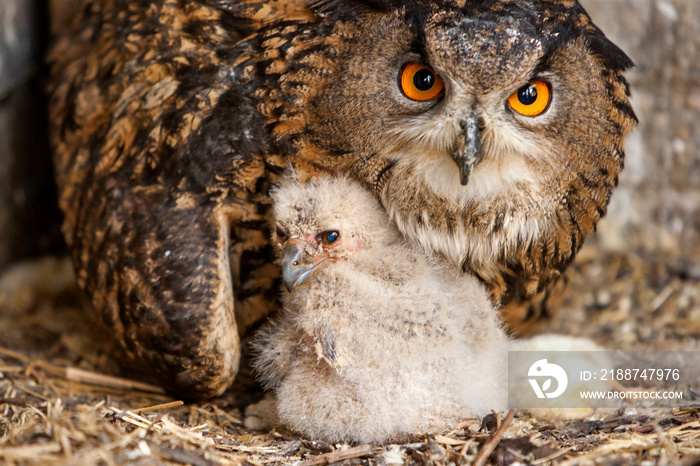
<point>490,130</point>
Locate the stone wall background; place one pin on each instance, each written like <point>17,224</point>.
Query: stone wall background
<point>29,217</point>
<point>656,208</point>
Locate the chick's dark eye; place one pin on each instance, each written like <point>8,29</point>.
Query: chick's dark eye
<point>281,234</point>
<point>329,237</point>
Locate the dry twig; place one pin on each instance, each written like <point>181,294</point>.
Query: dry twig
<point>491,444</point>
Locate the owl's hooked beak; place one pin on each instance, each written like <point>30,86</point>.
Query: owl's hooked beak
<point>296,268</point>
<point>467,154</point>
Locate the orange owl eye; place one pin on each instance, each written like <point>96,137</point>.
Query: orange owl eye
<point>419,82</point>
<point>532,99</point>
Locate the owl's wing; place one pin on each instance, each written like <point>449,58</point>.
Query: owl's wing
<point>158,149</point>
<point>165,291</point>
<point>324,344</point>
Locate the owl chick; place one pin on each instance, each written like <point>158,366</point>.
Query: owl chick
<point>377,339</point>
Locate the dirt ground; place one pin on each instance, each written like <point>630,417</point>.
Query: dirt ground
<point>61,404</point>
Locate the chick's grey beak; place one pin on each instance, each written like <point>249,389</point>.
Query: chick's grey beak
<point>295,270</point>
<point>467,154</point>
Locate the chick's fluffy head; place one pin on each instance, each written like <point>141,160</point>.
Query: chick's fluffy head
<point>327,203</point>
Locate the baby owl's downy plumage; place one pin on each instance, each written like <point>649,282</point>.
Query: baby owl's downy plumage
<point>376,339</point>
<point>491,131</point>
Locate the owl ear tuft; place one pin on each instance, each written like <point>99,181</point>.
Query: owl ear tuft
<point>608,52</point>
<point>603,48</point>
